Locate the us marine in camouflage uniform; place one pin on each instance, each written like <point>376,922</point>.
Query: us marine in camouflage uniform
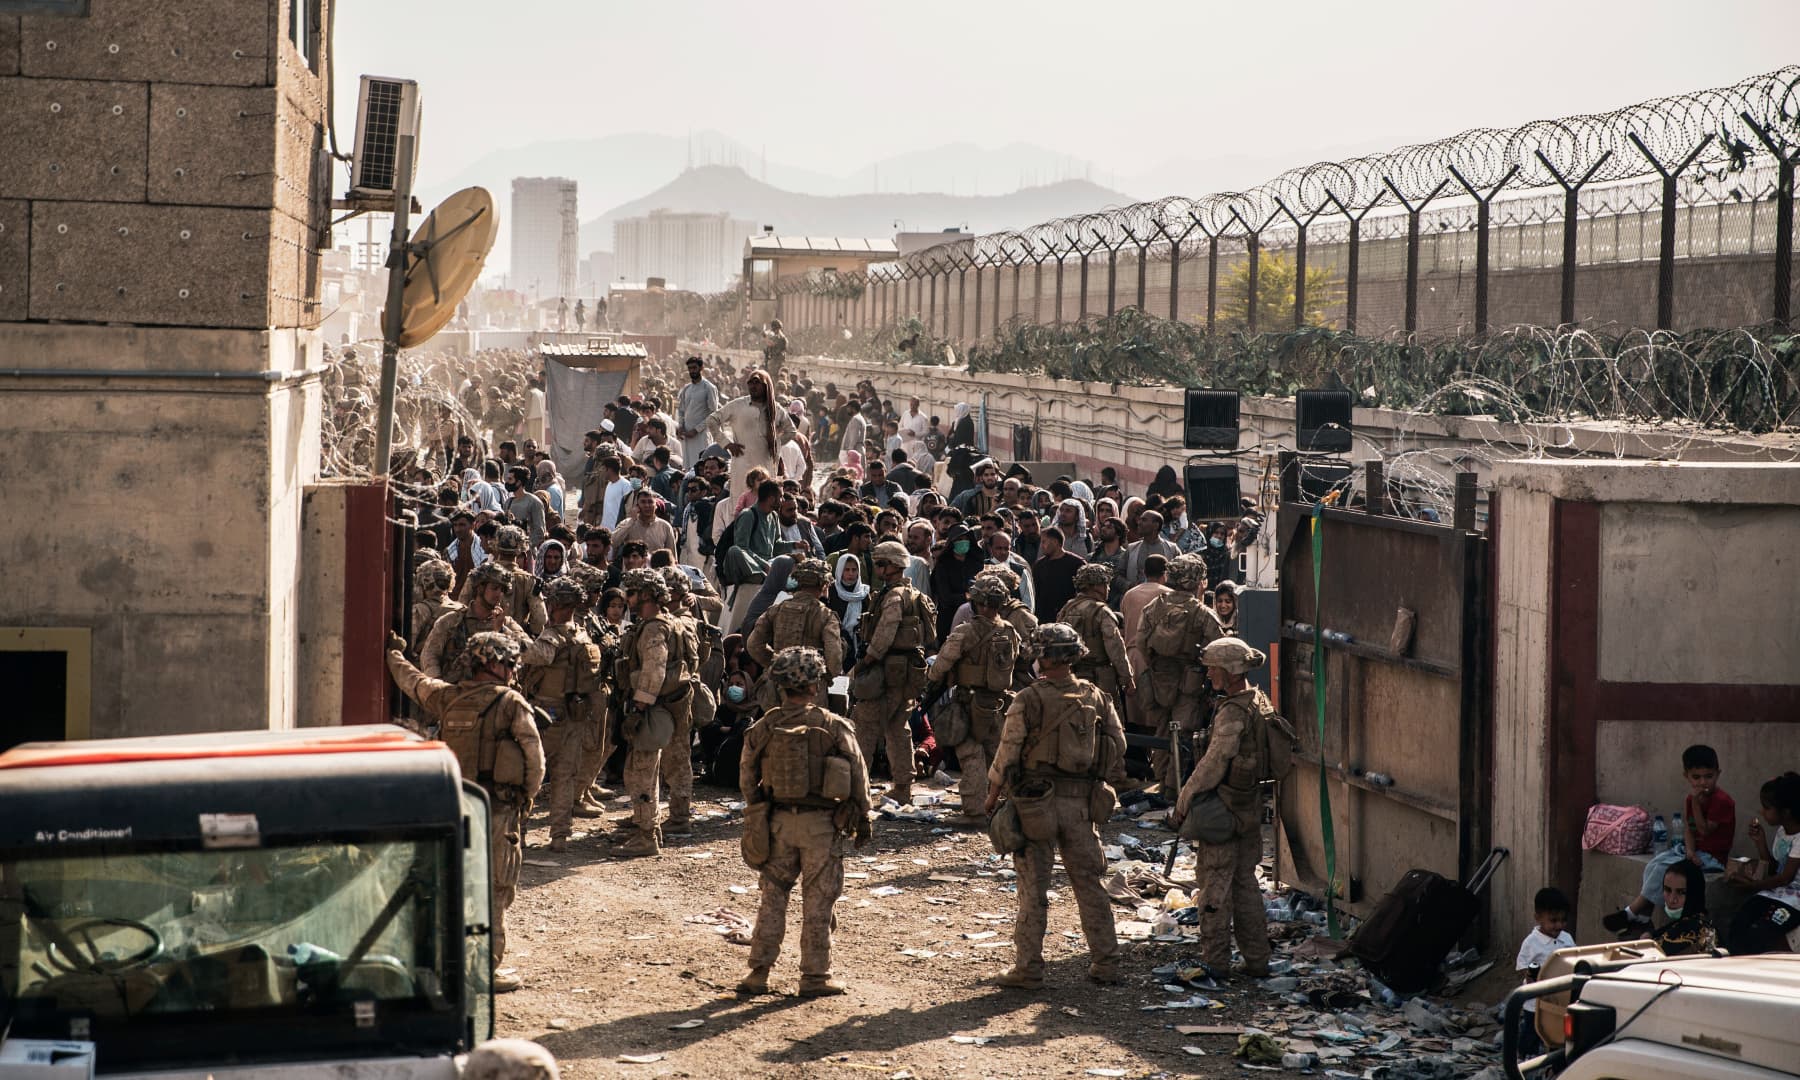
<point>493,733</point>
<point>804,763</point>
<point>901,627</point>
<point>677,765</point>
<point>431,581</point>
<point>525,596</point>
<point>560,674</point>
<point>1106,664</point>
<point>656,669</point>
<point>1014,612</point>
<point>1175,627</point>
<point>442,654</point>
<point>801,619</point>
<point>979,659</point>
<point>1230,899</point>
<point>1062,744</point>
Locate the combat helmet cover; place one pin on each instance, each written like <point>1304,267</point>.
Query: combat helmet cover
<point>489,647</point>
<point>1186,573</point>
<point>891,552</point>
<point>646,582</point>
<point>565,591</point>
<point>797,666</point>
<point>434,573</point>
<point>1093,574</point>
<point>811,573</point>
<point>1233,654</point>
<point>509,540</point>
<point>988,589</point>
<point>1057,642</point>
<point>489,573</point>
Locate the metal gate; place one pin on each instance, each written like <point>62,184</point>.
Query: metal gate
<point>1404,752</point>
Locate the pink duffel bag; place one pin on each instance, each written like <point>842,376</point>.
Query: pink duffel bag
<point>1617,830</point>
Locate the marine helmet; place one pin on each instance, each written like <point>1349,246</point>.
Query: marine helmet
<point>677,580</point>
<point>810,573</point>
<point>892,552</point>
<point>490,647</point>
<point>1004,576</point>
<point>1093,574</point>
<point>988,589</point>
<point>434,574</point>
<point>509,540</point>
<point>1186,573</point>
<point>565,591</point>
<point>489,573</point>
<point>645,582</point>
<point>797,666</point>
<point>510,1059</point>
<point>1233,654</point>
<point>423,555</point>
<point>1057,642</point>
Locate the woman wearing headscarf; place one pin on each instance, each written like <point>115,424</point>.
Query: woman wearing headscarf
<point>962,427</point>
<point>959,559</point>
<point>847,598</point>
<point>552,559</point>
<point>1681,923</point>
<point>1166,482</point>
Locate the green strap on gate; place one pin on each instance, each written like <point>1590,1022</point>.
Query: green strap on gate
<point>1318,666</point>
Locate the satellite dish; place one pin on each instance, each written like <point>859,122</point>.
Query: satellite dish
<point>444,260</point>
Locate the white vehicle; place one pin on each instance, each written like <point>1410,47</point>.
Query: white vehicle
<point>1674,1018</point>
<point>273,903</point>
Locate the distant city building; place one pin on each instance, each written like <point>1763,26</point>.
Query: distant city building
<point>596,273</point>
<point>697,252</point>
<point>545,234</point>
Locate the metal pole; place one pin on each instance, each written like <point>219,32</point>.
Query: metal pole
<point>1081,310</point>
<point>1784,220</point>
<point>1112,279</point>
<point>1212,280</point>
<point>1143,262</point>
<point>1253,247</point>
<point>977,319</point>
<point>1059,289</point>
<point>391,322</point>
<point>1300,278</point>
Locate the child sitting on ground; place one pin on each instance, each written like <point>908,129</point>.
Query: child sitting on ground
<point>1709,821</point>
<point>1766,919</point>
<point>1551,906</point>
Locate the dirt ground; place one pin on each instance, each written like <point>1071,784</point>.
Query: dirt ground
<point>612,967</point>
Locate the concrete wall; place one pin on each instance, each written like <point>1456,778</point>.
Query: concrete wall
<point>162,196</point>
<point>1641,607</point>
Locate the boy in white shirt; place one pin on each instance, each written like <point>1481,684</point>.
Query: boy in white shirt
<point>1551,933</point>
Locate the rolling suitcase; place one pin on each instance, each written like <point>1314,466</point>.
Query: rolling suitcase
<point>1412,929</point>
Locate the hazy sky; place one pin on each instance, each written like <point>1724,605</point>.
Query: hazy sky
<point>834,85</point>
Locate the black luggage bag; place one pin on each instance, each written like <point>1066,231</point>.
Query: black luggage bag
<point>1405,939</point>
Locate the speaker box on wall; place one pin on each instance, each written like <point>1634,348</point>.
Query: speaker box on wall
<point>1211,419</point>
<point>1212,492</point>
<point>1322,418</point>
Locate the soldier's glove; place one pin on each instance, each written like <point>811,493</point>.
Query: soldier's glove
<point>864,830</point>
<point>395,642</point>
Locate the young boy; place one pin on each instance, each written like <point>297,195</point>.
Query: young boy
<point>1709,822</point>
<point>1551,933</point>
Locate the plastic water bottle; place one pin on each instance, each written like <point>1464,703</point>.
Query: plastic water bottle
<point>1676,833</point>
<point>1297,1061</point>
<point>1659,831</point>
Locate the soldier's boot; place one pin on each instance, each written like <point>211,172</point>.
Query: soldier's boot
<point>506,984</point>
<point>644,842</point>
<point>1014,979</point>
<point>901,793</point>
<point>1248,970</point>
<point>820,986</point>
<point>757,982</point>
<point>586,809</point>
<point>681,821</point>
<point>1104,972</point>
<point>559,843</point>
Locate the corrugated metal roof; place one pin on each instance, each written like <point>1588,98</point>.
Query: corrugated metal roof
<point>820,245</point>
<point>596,348</point>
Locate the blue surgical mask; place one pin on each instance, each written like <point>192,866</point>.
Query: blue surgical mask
<point>636,482</point>
<point>792,585</point>
<point>1216,542</point>
<point>1673,913</point>
<point>961,547</point>
<point>734,694</point>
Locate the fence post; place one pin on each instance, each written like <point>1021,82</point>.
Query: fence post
<point>1253,248</point>
<point>1299,261</point>
<point>1412,248</point>
<point>977,319</point>
<point>1081,309</point>
<point>1354,256</point>
<point>1571,237</point>
<point>1665,256</point>
<point>1212,279</point>
<point>1483,204</point>
<point>1059,289</point>
<point>1112,273</point>
<point>1784,220</point>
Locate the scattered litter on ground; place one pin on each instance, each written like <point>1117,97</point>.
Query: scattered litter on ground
<point>729,924</point>
<point>639,1059</point>
<point>688,1025</point>
<point>972,1040</point>
<point>561,1023</point>
<point>886,890</point>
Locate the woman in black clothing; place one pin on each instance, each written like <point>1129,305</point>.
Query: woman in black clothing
<point>1166,482</point>
<point>959,559</point>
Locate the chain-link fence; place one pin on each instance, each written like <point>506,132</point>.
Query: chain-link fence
<point>1673,214</point>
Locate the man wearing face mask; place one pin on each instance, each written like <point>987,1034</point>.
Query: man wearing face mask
<point>801,619</point>
<point>985,495</point>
